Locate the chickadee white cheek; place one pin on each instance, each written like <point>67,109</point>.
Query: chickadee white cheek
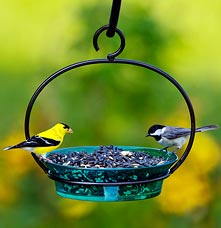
<point>158,132</point>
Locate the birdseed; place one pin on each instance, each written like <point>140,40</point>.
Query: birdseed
<point>106,157</point>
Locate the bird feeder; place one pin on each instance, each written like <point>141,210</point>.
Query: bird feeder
<point>111,183</point>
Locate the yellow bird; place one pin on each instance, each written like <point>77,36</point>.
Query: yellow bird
<point>45,141</point>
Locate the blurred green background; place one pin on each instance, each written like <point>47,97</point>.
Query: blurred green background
<point>110,104</point>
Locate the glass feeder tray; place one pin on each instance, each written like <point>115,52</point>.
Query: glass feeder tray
<point>110,184</point>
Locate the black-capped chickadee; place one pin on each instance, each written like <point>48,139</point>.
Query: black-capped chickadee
<point>173,136</point>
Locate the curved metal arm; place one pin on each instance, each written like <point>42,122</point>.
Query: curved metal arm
<point>119,61</point>
<point>40,163</point>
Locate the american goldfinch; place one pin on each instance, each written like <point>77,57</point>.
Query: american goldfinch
<point>45,141</point>
<point>174,136</point>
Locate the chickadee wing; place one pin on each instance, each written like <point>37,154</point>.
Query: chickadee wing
<point>37,141</point>
<point>175,132</point>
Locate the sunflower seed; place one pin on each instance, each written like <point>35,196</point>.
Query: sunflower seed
<point>105,157</point>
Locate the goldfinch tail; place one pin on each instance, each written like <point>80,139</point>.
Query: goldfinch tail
<point>10,147</point>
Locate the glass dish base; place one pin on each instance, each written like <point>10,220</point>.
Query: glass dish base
<point>109,193</point>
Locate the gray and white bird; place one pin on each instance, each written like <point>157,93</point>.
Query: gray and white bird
<point>174,136</point>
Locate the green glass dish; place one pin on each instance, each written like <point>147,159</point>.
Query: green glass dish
<point>110,184</point>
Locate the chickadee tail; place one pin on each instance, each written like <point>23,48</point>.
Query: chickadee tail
<point>207,128</point>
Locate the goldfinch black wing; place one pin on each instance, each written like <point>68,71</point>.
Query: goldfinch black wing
<point>35,141</point>
<point>38,141</point>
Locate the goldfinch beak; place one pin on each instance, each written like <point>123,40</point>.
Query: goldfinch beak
<point>70,130</point>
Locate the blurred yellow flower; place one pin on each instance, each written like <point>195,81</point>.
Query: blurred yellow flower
<point>204,155</point>
<point>13,164</point>
<point>75,209</point>
<point>7,192</point>
<point>18,160</point>
<point>184,191</point>
<point>189,187</point>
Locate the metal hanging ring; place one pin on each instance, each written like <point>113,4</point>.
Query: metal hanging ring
<point>110,56</point>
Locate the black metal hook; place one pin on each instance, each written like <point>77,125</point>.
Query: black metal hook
<point>110,56</point>
<point>115,11</point>
<point>111,30</point>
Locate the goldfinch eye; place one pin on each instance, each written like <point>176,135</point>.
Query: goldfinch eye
<point>65,126</point>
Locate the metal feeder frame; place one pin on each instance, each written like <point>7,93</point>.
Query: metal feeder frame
<point>111,29</point>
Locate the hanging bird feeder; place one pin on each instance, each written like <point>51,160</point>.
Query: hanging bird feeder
<point>119,173</point>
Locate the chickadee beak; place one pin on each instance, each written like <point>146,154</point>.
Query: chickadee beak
<point>147,135</point>
<point>70,131</point>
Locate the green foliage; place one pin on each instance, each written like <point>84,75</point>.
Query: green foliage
<point>104,104</point>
